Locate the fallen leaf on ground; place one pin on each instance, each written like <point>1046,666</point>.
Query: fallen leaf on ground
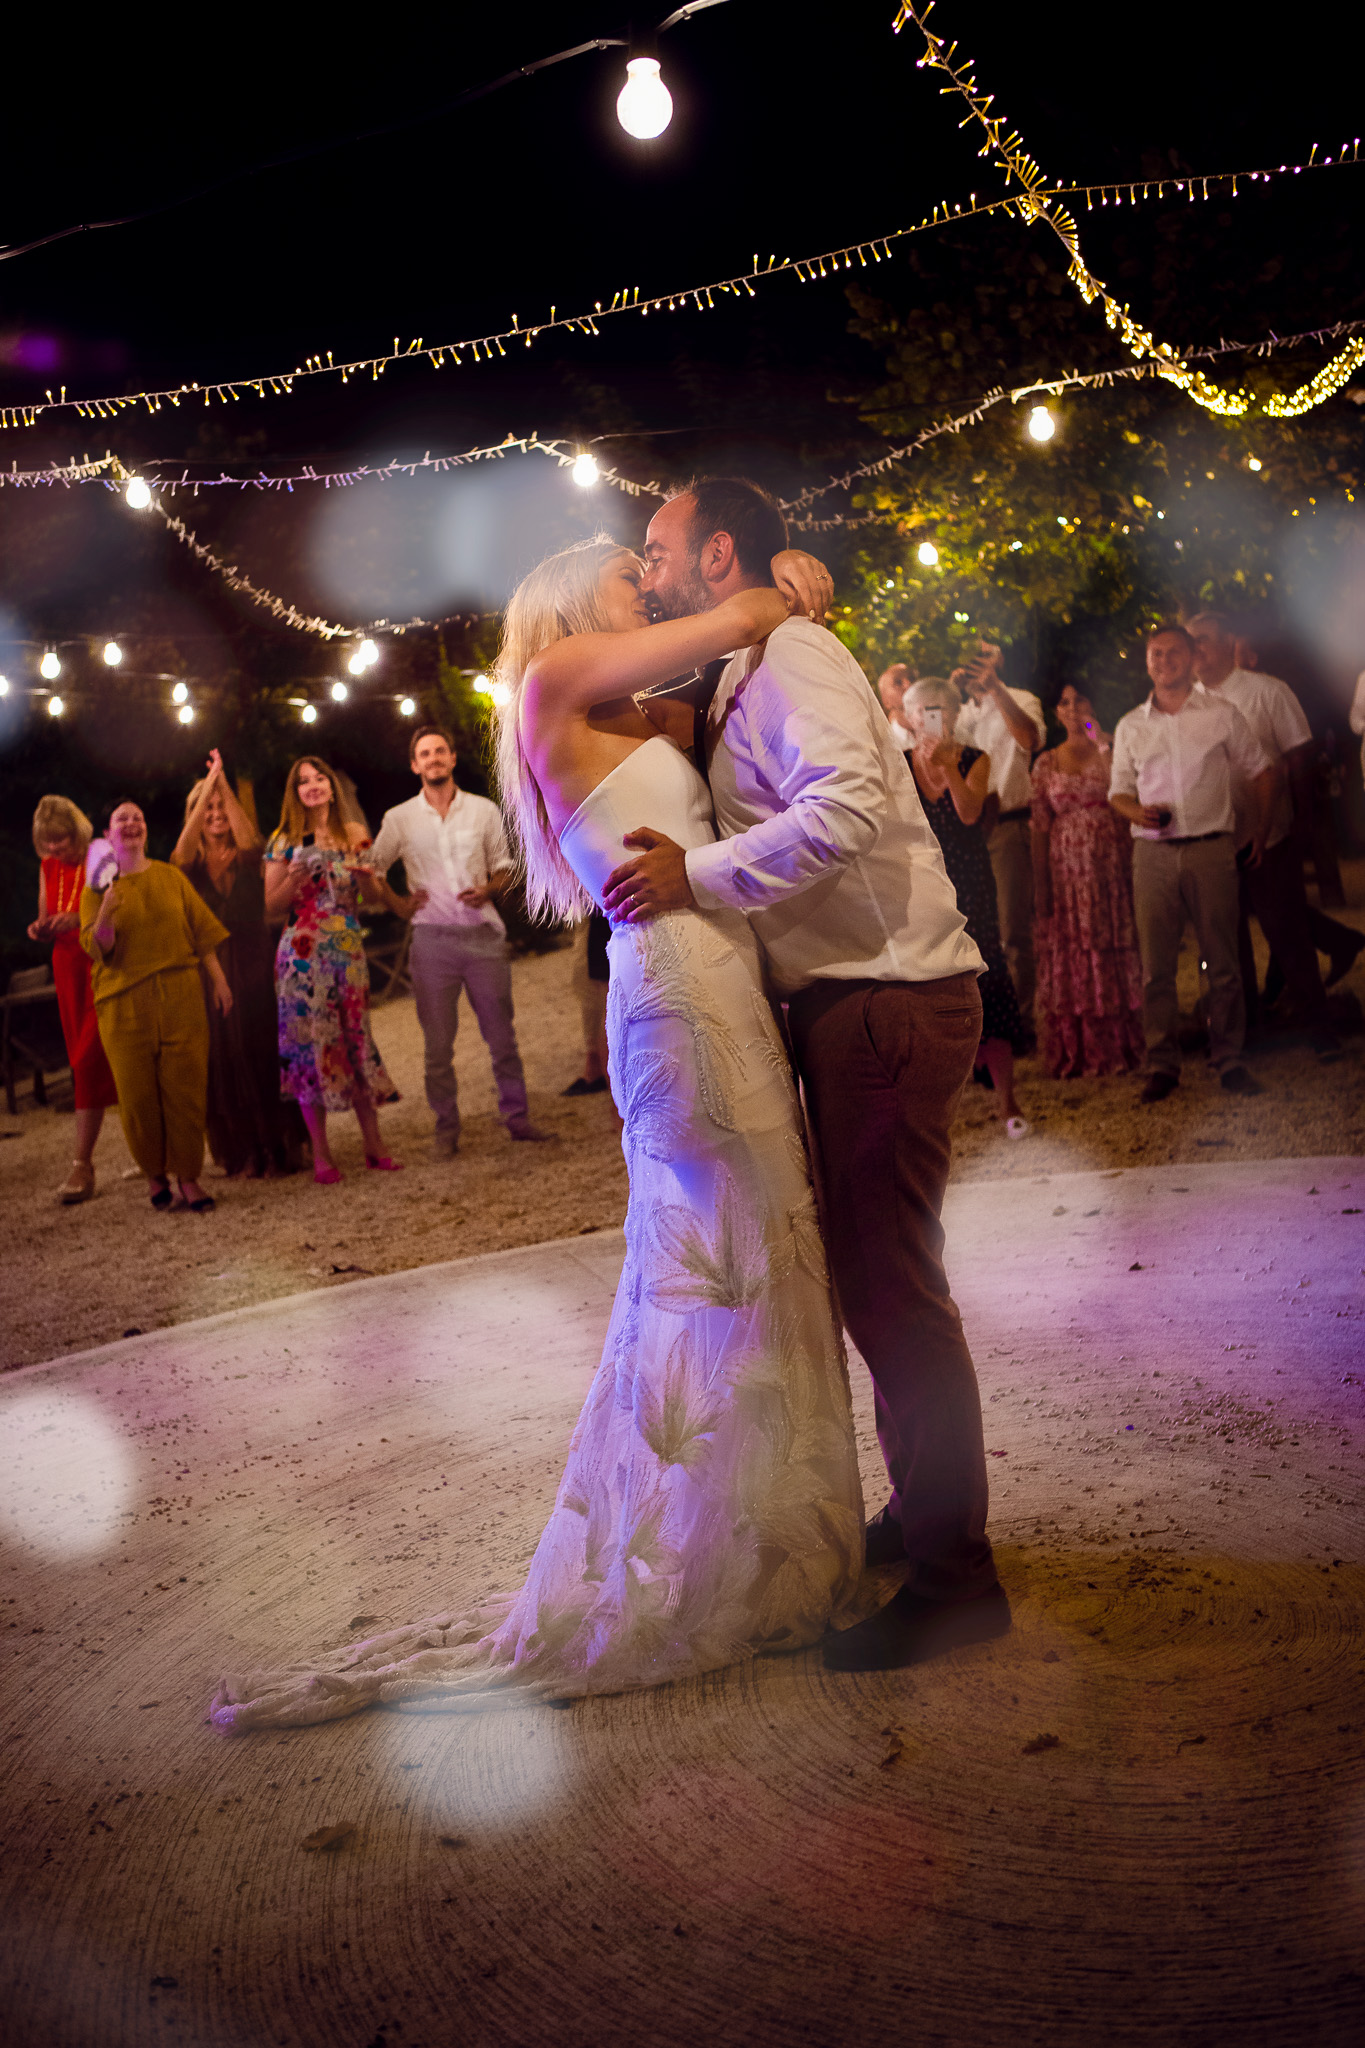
<point>1041,1742</point>
<point>329,1838</point>
<point>361,1620</point>
<point>452,1841</point>
<point>1051,1657</point>
<point>895,1744</point>
<point>1136,1266</point>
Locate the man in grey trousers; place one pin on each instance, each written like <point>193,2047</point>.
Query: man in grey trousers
<point>455,850</point>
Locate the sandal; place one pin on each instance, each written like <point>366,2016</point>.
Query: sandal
<point>384,1165</point>
<point>327,1176</point>
<point>162,1199</point>
<point>201,1207</point>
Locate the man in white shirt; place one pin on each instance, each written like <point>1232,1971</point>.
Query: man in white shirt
<point>1177,761</point>
<point>828,851</point>
<point>1274,888</point>
<point>455,850</point>
<point>1009,726</point>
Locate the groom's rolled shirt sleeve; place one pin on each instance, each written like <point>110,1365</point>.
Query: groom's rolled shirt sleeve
<point>826,779</point>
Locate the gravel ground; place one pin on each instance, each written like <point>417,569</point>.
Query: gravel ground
<point>111,1267</point>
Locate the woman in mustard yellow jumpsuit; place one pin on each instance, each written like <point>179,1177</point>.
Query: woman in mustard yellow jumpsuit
<point>146,936</point>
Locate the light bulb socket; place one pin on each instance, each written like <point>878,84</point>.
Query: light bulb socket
<point>641,42</point>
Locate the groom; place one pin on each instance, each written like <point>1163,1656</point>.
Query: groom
<point>827,850</point>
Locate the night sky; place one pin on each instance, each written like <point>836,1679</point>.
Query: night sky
<point>794,131</point>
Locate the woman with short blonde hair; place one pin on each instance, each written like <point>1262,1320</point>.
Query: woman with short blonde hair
<point>61,840</point>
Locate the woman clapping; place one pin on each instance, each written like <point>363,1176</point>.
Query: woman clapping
<point>147,935</point>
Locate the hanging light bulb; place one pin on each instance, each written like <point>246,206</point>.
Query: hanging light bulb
<point>309,714</point>
<point>1253,462</point>
<point>55,707</point>
<point>1041,425</point>
<point>406,706</point>
<point>368,653</point>
<point>186,714</point>
<point>50,666</point>
<point>137,494</point>
<point>339,693</point>
<point>113,653</point>
<point>644,105</point>
<point>928,554</point>
<point>586,471</point>
<point>501,693</point>
<point>483,686</point>
<point>4,686</point>
<point>180,693</point>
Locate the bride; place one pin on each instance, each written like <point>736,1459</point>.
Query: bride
<point>710,1507</point>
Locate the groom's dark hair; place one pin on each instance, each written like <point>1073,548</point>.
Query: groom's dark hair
<point>731,504</point>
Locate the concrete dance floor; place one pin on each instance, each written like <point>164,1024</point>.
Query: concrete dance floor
<point>1138,1818</point>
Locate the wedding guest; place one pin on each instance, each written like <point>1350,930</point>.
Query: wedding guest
<point>1008,726</point>
<point>591,977</point>
<point>892,685</point>
<point>1340,942</point>
<point>455,851</point>
<point>315,877</point>
<point>1273,888</point>
<point>220,850</point>
<point>61,839</point>
<point>953,782</point>
<point>1089,970</point>
<point>148,934</point>
<point>1176,760</point>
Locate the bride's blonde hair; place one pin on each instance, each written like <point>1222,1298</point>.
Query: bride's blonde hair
<point>559,597</point>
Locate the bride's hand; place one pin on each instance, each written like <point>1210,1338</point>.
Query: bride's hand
<point>805,583</point>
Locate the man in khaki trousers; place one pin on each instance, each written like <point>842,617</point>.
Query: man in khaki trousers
<point>1176,763</point>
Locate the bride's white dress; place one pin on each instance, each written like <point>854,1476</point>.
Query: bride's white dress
<point>710,1507</point>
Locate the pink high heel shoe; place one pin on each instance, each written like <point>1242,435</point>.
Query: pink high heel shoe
<point>384,1165</point>
<point>327,1176</point>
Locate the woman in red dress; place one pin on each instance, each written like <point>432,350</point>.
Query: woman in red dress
<point>61,839</point>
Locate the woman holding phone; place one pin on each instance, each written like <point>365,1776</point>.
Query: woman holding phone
<point>1089,970</point>
<point>953,783</point>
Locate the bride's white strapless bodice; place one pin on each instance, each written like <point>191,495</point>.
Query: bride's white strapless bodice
<point>655,786</point>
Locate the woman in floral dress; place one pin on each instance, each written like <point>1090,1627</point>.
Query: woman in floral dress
<point>314,876</point>
<point>1089,970</point>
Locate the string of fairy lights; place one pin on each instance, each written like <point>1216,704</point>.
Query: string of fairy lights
<point>1040,202</point>
<point>1036,201</point>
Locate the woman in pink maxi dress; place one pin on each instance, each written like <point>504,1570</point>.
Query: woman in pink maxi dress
<point>1089,970</point>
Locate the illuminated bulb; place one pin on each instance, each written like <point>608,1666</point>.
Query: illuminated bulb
<point>309,714</point>
<point>483,686</point>
<point>355,664</point>
<point>1015,546</point>
<point>113,653</point>
<point>501,693</point>
<point>186,714</point>
<point>339,693</point>
<point>4,686</point>
<point>928,554</point>
<point>1253,462</point>
<point>137,494</point>
<point>406,706</point>
<point>50,666</point>
<point>55,707</point>
<point>585,471</point>
<point>644,105</point>
<point>368,653</point>
<point>180,694</point>
<point>1041,424</point>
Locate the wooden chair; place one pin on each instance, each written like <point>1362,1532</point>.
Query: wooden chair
<point>27,986</point>
<point>392,962</point>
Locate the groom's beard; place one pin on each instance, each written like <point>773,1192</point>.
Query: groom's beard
<point>689,595</point>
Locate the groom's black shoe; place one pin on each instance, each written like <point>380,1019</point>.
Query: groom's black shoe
<point>885,1543</point>
<point>911,1630</point>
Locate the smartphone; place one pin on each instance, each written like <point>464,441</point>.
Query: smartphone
<point>932,716</point>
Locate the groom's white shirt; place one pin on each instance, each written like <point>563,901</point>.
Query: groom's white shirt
<point>825,844</point>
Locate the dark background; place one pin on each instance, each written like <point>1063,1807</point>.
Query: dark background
<point>793,131</point>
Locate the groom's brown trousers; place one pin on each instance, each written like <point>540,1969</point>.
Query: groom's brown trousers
<point>884,1064</point>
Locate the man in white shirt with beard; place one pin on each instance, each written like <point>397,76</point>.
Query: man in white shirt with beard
<point>1274,889</point>
<point>455,850</point>
<point>827,850</point>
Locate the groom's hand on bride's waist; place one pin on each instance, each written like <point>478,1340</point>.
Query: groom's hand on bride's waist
<point>654,881</point>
